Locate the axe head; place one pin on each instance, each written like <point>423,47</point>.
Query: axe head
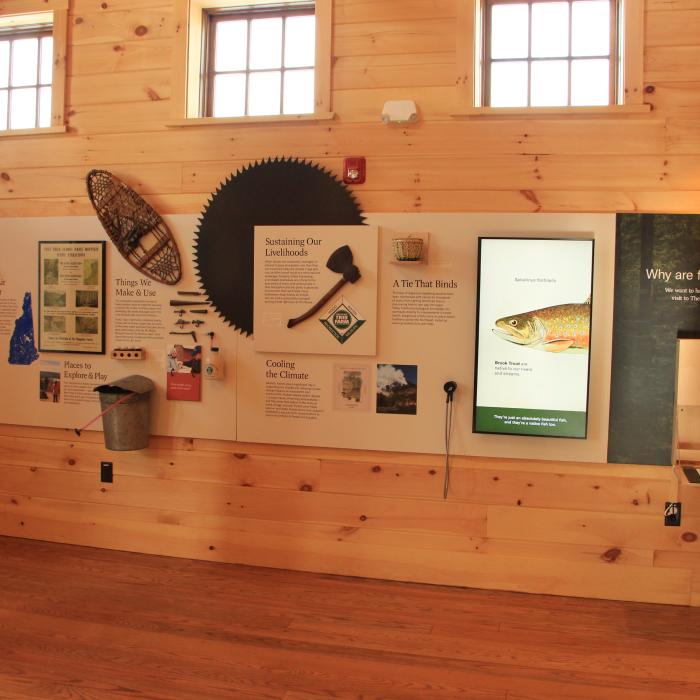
<point>340,260</point>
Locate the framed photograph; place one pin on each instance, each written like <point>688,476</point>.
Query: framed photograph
<point>72,296</point>
<point>533,336</point>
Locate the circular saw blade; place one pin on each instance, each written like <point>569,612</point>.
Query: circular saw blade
<point>279,192</point>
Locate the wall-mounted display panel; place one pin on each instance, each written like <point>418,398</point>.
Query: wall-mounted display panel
<point>426,323</point>
<point>390,400</point>
<point>533,336</point>
<point>657,299</point>
<point>56,389</point>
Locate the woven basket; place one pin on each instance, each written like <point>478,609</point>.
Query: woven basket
<point>407,249</point>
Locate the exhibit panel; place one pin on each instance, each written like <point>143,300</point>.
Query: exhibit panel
<point>422,271</point>
<point>144,333</point>
<point>426,337</point>
<point>657,300</point>
<point>315,289</point>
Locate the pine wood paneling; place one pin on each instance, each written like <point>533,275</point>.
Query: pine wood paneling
<point>682,5</point>
<point>565,528</point>
<point>352,11</point>
<point>574,527</point>
<point>122,87</point>
<point>66,182</point>
<point>486,483</point>
<point>126,55</point>
<point>358,513</point>
<point>409,71</point>
<point>396,37</point>
<point>143,24</point>
<point>671,63</point>
<point>672,28</point>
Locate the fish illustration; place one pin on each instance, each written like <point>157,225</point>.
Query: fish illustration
<point>560,328</point>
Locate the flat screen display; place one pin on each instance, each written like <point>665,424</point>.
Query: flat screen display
<point>533,336</point>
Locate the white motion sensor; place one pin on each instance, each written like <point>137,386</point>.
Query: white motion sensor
<point>399,111</point>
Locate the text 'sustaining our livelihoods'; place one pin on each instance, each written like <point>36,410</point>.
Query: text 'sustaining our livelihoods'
<point>533,341</point>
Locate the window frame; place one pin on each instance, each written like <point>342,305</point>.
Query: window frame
<point>212,18</point>
<point>469,83</point>
<point>27,13</point>
<point>38,31</point>
<point>613,55</point>
<point>189,62</point>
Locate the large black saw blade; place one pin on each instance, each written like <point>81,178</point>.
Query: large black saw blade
<point>279,192</point>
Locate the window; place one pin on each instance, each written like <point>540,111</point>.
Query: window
<point>255,60</point>
<point>259,62</point>
<point>26,57</point>
<point>546,53</point>
<point>550,55</point>
<point>32,67</point>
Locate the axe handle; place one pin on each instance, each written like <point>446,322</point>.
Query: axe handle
<point>325,299</point>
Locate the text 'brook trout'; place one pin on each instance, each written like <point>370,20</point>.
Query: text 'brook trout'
<point>561,328</point>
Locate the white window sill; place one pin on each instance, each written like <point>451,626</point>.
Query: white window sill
<point>604,110</point>
<point>267,119</point>
<point>43,131</point>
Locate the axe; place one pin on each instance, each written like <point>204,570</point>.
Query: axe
<point>340,261</point>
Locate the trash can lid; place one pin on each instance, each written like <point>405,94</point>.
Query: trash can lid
<point>134,383</point>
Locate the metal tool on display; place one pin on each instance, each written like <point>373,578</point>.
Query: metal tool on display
<point>340,261</point>
<point>191,333</point>
<point>272,192</point>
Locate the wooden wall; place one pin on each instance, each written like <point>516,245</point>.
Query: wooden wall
<point>120,79</point>
<point>572,529</point>
<point>561,528</point>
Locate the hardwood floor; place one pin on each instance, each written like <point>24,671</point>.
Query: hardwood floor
<point>89,624</point>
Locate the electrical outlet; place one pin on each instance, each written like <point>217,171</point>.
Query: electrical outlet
<point>106,473</point>
<point>672,514</point>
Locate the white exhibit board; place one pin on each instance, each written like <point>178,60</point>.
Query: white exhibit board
<point>292,275</point>
<point>390,400</point>
<point>426,336</point>
<point>138,315</point>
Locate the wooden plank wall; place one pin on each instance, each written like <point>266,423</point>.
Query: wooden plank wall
<point>561,528</point>
<point>571,529</point>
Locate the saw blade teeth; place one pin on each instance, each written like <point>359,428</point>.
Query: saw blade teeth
<point>227,223</point>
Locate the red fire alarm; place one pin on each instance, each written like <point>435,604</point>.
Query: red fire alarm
<point>354,170</point>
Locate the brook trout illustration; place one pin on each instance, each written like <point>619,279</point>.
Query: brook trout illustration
<point>561,328</point>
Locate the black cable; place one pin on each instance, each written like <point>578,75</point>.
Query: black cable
<point>448,435</point>
<point>450,388</point>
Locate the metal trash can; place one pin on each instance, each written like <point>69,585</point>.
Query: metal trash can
<point>126,426</point>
